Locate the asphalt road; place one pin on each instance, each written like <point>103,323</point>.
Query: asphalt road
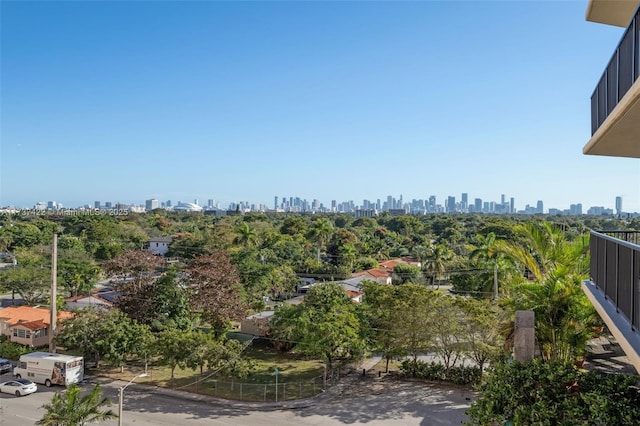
<point>369,403</point>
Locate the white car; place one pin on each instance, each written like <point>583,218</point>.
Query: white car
<point>18,387</point>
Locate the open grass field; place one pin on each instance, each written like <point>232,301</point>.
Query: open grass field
<point>299,377</point>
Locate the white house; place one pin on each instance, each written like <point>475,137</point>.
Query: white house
<point>159,245</point>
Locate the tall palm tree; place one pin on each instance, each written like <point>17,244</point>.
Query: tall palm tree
<point>321,231</point>
<point>70,408</point>
<point>247,236</point>
<point>437,260</point>
<point>489,252</point>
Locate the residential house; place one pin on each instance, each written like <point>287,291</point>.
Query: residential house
<point>159,245</point>
<point>28,325</point>
<point>614,284</point>
<point>102,299</point>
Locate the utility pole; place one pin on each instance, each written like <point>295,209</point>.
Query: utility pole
<point>54,295</point>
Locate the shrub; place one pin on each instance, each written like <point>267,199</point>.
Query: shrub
<point>543,392</point>
<point>436,371</point>
<point>12,350</point>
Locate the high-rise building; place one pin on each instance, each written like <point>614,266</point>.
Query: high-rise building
<point>451,204</point>
<point>619,206</point>
<point>96,204</point>
<point>151,204</point>
<point>540,207</point>
<point>478,205</point>
<point>275,202</point>
<point>464,203</point>
<point>512,205</point>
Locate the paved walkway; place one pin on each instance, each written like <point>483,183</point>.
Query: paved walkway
<point>605,354</point>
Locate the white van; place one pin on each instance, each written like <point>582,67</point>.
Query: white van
<point>50,369</point>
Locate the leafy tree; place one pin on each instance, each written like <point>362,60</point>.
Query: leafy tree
<point>480,330</point>
<point>214,289</point>
<point>325,325</point>
<point>173,348</point>
<point>71,408</point>
<point>77,271</point>
<point>101,335</point>
<point>32,283</point>
<point>405,273</point>
<point>133,274</point>
<point>447,331</point>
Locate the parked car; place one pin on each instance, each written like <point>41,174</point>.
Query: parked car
<point>5,366</point>
<point>18,387</point>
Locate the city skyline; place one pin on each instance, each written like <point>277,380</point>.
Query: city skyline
<point>327,100</point>
<point>430,204</point>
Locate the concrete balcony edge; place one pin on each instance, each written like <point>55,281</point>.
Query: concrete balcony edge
<point>617,135</point>
<point>618,325</point>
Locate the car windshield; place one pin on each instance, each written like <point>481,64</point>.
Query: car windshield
<point>24,381</point>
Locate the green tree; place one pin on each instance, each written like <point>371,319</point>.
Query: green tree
<point>77,271</point>
<point>320,232</point>
<point>436,261</point>
<point>325,325</point>
<point>71,408</point>
<point>247,236</point>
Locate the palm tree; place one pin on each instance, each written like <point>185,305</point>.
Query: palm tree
<point>348,255</point>
<point>72,409</point>
<point>545,249</point>
<point>436,261</point>
<point>321,231</point>
<point>489,251</point>
<point>564,316</point>
<point>247,236</point>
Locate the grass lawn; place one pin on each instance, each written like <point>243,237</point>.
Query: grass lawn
<point>299,377</point>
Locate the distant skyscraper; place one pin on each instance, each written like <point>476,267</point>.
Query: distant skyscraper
<point>108,204</point>
<point>512,205</point>
<point>503,199</point>
<point>539,207</point>
<point>96,204</point>
<point>464,204</point>
<point>210,203</point>
<point>151,204</point>
<point>275,202</point>
<point>451,204</point>
<point>478,205</point>
<point>619,206</point>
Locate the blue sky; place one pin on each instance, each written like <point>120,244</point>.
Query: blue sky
<point>241,101</point>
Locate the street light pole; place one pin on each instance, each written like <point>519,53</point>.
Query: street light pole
<point>121,396</point>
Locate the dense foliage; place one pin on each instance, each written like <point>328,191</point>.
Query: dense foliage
<point>555,393</point>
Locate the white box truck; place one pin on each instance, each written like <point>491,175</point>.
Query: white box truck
<point>50,369</point>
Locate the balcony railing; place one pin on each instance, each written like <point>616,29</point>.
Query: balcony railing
<point>615,270</point>
<point>622,71</point>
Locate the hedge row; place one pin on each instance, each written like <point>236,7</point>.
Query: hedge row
<point>433,371</point>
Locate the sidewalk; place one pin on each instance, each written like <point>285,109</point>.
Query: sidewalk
<point>606,355</point>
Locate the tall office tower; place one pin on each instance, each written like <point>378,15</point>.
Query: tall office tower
<point>334,205</point>
<point>432,204</point>
<point>512,205</point>
<point>478,205</point>
<point>210,203</point>
<point>96,204</point>
<point>378,205</point>
<point>619,205</point>
<point>275,202</point>
<point>539,207</point>
<point>390,202</point>
<point>451,204</point>
<point>107,204</point>
<point>168,203</point>
<point>151,204</point>
<point>399,206</point>
<point>503,199</point>
<point>464,203</point>
<point>195,202</point>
